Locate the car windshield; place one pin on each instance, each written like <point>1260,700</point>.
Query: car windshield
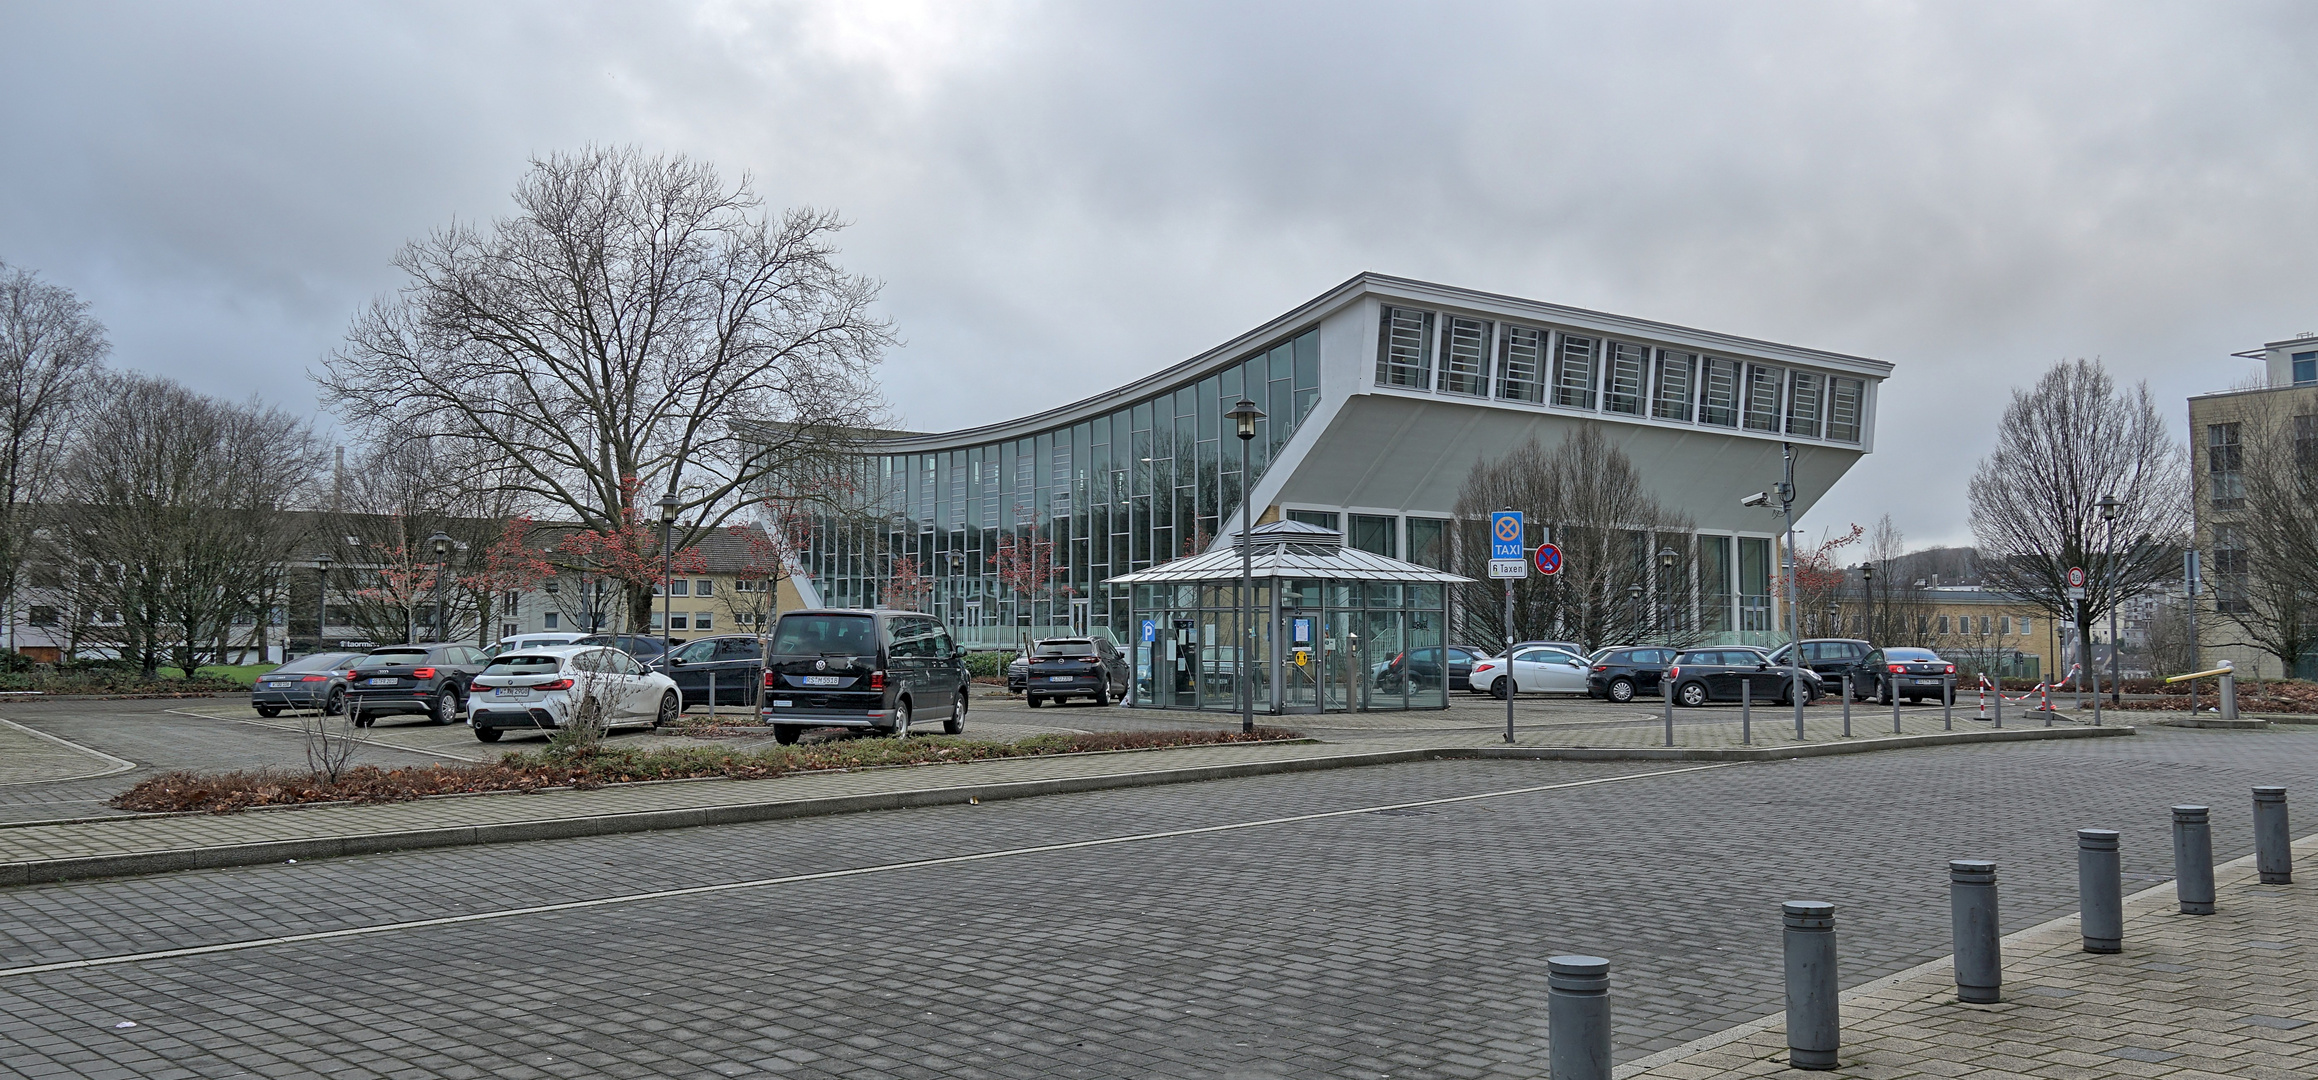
<point>1066,648</point>
<point>316,662</point>
<point>395,656</point>
<point>525,665</point>
<point>1911,654</point>
<point>825,635</point>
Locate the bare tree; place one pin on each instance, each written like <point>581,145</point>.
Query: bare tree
<point>50,349</point>
<point>2264,563</point>
<point>179,511</point>
<point>1614,584</point>
<point>2061,447</point>
<point>637,327</point>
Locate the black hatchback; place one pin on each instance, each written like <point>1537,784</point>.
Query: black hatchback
<point>428,679</point>
<point>1622,673</point>
<point>862,669</point>
<point>1914,674</point>
<point>1730,674</point>
<point>727,669</point>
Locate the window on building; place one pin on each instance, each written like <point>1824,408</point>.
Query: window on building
<point>1676,371</point>
<point>1374,533</point>
<point>2225,464</point>
<point>1622,382</point>
<point>1404,348</point>
<point>1428,542</point>
<point>1465,362</point>
<point>2306,442</point>
<point>1323,518</point>
<point>1803,404</point>
<point>552,587</point>
<point>704,587</point>
<point>2004,624</point>
<point>1923,625</point>
<point>1521,364</point>
<point>1573,375</point>
<point>1984,630</point>
<point>1844,400</point>
<point>2027,626</point>
<point>680,587</point>
<point>676,622</point>
<point>2305,368</point>
<point>2229,570</point>
<point>1718,392</point>
<point>1714,583</point>
<point>44,615</point>
<point>1762,400</point>
<point>1754,575</point>
<point>548,620</point>
<point>702,620</point>
<point>1943,624</point>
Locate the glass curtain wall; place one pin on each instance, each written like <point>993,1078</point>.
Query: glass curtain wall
<point>1001,538</point>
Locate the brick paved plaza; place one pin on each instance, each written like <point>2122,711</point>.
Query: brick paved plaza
<point>1404,943</point>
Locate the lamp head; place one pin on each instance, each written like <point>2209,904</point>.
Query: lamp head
<point>442,543</point>
<point>1666,558</point>
<point>1244,415</point>
<point>1756,499</point>
<point>322,562</point>
<point>2109,505</point>
<point>1867,571</point>
<point>668,505</point>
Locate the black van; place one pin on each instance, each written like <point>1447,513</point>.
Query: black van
<point>862,669</point>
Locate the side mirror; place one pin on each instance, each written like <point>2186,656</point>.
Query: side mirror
<point>675,661</point>
<point>1764,666</point>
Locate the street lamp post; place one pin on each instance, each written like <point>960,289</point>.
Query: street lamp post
<point>1634,596</point>
<point>668,505</point>
<point>442,546</point>
<point>322,604</point>
<point>1667,557</point>
<point>2110,505</point>
<point>1244,415</point>
<point>1867,591</point>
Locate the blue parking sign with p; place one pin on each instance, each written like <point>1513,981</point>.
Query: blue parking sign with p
<point>1150,630</point>
<point>1505,535</point>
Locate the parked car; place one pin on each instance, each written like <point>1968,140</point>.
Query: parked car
<point>1914,674</point>
<point>1017,673</point>
<point>546,688</point>
<point>1570,647</point>
<point>429,679</point>
<point>1703,675</point>
<point>1422,669</point>
<point>733,665</point>
<point>1620,674</point>
<point>545,639</point>
<point>1549,671</point>
<point>862,669</point>
<point>1830,657</point>
<point>644,647</point>
<point>316,681</point>
<point>1063,668</point>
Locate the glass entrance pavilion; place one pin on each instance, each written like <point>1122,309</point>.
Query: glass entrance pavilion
<point>1336,629</point>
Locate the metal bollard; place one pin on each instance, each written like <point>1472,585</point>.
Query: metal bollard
<point>1947,703</point>
<point>1747,711</point>
<point>1814,1019</point>
<point>2193,859</point>
<point>2229,692</point>
<point>1999,701</point>
<point>1577,1005</point>
<point>1666,690</point>
<point>1972,908</point>
<point>1895,708</point>
<point>711,697</point>
<point>2273,844</point>
<point>2100,891</point>
<point>1846,704</point>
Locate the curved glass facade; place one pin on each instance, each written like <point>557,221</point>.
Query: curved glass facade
<point>1013,538</point>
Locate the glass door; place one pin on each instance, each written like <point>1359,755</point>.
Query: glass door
<point>1300,661</point>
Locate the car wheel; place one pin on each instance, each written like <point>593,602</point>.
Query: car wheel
<point>787,734</point>
<point>1915,699</point>
<point>335,704</point>
<point>1621,690</point>
<point>446,706</point>
<point>901,719</point>
<point>956,724</point>
<point>1031,700</point>
<point>669,709</point>
<point>1504,686</point>
<point>1103,695</point>
<point>1691,695</point>
<point>486,734</point>
<point>1884,695</point>
<point>269,711</point>
<point>362,719</point>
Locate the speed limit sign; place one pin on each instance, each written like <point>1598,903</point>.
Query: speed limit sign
<point>2076,577</point>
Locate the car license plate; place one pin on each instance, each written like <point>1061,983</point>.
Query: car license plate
<point>1061,678</point>
<point>511,692</point>
<point>382,682</point>
<point>822,680</point>
<point>778,704</point>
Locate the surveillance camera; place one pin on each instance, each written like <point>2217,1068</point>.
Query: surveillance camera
<point>1756,499</point>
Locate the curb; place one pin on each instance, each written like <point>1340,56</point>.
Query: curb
<point>47,871</point>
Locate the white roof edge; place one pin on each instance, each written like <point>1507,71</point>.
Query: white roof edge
<point>1351,290</point>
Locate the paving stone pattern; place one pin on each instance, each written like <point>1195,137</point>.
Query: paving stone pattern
<point>1408,944</point>
<point>2232,994</point>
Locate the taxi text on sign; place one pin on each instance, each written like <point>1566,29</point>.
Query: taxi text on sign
<point>1506,557</point>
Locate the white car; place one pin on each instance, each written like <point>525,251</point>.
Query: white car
<point>546,639</point>
<point>1549,671</point>
<point>543,689</point>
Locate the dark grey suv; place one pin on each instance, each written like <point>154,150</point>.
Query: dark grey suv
<point>862,669</point>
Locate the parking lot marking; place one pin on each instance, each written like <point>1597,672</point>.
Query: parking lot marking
<point>365,739</point>
<point>112,764</point>
<point>825,875</point>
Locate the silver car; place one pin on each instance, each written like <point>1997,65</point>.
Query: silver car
<point>545,689</point>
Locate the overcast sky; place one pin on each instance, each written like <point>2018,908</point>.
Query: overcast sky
<point>1062,197</point>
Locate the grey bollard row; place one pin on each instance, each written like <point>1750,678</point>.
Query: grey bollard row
<point>1972,907</point>
<point>2273,841</point>
<point>2100,890</point>
<point>2193,859</point>
<point>1666,690</point>
<point>1814,1020</point>
<point>1747,711</point>
<point>1577,1009</point>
